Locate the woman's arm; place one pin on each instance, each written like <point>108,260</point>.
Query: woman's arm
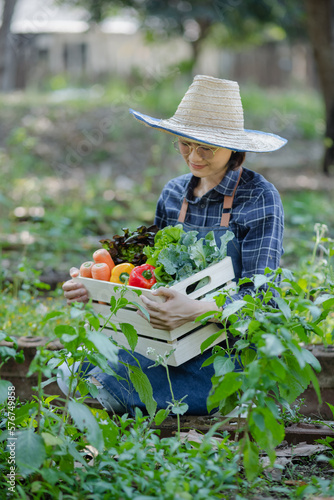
<point>262,244</point>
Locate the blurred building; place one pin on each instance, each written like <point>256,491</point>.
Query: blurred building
<point>48,39</point>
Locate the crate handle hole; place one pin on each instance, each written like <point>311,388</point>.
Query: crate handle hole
<point>198,285</point>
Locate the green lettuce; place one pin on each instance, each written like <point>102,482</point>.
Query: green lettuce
<point>177,254</point>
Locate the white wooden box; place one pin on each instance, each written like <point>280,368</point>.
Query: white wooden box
<point>186,340</point>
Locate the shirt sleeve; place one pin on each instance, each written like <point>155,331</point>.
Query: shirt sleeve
<point>262,244</point>
<point>160,218</point>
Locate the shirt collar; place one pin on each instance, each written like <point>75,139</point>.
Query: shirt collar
<point>225,187</point>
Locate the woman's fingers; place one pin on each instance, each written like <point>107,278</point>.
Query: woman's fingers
<point>155,322</point>
<point>74,272</point>
<point>71,285</point>
<point>72,294</point>
<point>159,314</point>
<point>158,306</point>
<point>177,309</point>
<point>75,292</point>
<point>150,304</point>
<point>78,298</point>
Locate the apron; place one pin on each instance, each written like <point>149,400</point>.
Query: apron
<point>190,378</point>
<point>219,229</point>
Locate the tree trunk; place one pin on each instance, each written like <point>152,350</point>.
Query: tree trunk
<point>320,18</point>
<point>6,53</point>
<point>196,45</point>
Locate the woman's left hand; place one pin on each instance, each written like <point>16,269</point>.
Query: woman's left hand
<point>176,310</point>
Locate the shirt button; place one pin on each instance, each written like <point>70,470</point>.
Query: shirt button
<point>202,205</point>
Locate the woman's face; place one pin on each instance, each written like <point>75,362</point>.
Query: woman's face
<point>199,163</point>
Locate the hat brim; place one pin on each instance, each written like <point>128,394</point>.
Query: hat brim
<point>253,141</point>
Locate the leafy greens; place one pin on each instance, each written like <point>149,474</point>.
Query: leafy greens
<point>129,246</point>
<point>178,254</point>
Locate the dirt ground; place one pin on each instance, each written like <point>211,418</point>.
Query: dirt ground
<point>297,179</point>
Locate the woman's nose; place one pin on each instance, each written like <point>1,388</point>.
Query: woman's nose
<point>193,156</point>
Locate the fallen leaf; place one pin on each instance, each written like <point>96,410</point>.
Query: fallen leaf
<point>286,455</point>
<point>301,450</point>
<point>275,472</point>
<point>196,437</point>
<point>297,482</point>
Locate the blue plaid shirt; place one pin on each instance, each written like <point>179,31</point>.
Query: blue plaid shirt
<point>257,218</point>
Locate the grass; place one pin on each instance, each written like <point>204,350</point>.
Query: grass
<point>25,301</point>
<point>24,316</point>
<point>299,112</point>
<point>290,112</point>
<point>302,211</point>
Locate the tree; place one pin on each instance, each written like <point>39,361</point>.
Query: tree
<point>242,21</point>
<point>97,9</point>
<point>320,16</point>
<point>6,62</point>
<point>193,19</point>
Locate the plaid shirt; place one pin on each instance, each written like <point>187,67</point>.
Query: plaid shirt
<point>257,218</point>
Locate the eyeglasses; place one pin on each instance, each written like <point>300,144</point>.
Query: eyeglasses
<point>185,148</point>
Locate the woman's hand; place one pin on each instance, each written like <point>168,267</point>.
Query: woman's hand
<point>75,292</point>
<point>176,310</point>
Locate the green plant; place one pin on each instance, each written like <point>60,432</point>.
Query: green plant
<point>270,327</point>
<point>177,407</point>
<point>302,209</point>
<point>75,451</point>
<point>328,442</point>
<point>8,352</point>
<point>290,414</point>
<point>65,448</point>
<point>25,300</point>
<point>72,451</point>
<point>25,282</point>
<point>316,278</point>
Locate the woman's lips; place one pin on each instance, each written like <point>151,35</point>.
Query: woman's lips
<point>196,167</point>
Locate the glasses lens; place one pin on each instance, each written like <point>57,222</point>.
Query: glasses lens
<point>179,149</point>
<point>205,153</point>
<point>184,148</point>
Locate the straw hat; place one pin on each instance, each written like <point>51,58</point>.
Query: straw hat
<point>211,112</point>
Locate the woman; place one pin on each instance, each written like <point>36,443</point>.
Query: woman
<point>218,194</point>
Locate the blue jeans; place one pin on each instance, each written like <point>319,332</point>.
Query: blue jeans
<point>189,379</point>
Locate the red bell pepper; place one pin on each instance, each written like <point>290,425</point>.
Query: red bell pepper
<point>142,276</point>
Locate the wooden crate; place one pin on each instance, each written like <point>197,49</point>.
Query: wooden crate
<point>187,339</point>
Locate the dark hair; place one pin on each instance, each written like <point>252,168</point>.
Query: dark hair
<point>237,159</point>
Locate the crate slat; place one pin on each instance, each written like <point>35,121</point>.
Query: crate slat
<point>141,324</point>
<point>218,275</point>
<point>185,349</point>
<point>103,290</point>
<point>187,339</point>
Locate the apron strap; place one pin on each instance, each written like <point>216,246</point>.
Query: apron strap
<point>228,202</point>
<point>183,211</point>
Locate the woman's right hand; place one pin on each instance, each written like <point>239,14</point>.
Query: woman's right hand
<point>75,292</point>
